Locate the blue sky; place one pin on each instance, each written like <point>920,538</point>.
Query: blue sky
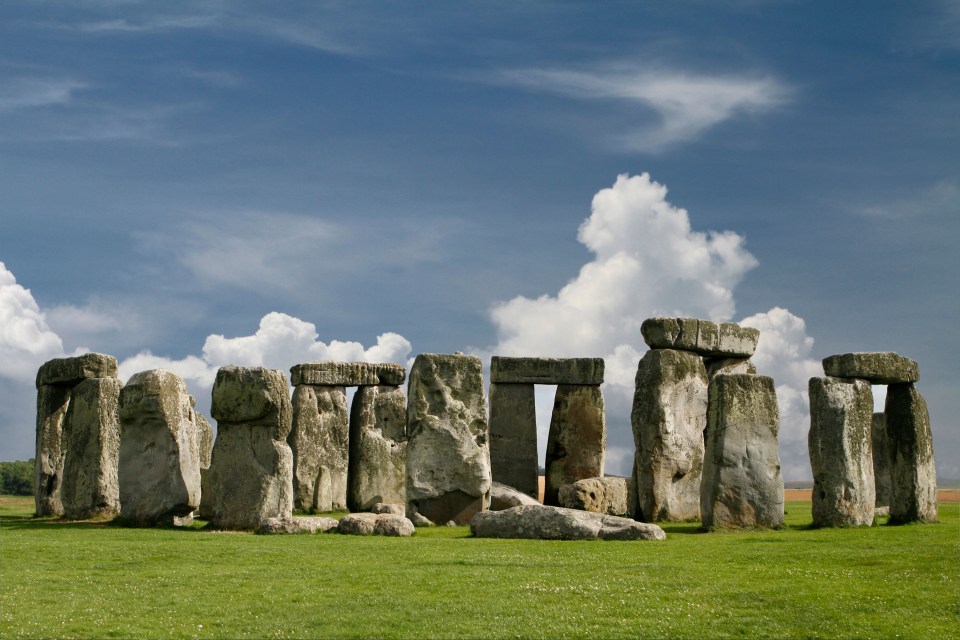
<point>191,184</point>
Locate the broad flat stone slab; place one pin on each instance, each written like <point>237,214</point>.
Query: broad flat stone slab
<point>577,442</point>
<point>347,374</point>
<point>375,524</point>
<point>742,486</point>
<point>71,371</point>
<point>52,404</point>
<point>703,337</point>
<point>319,441</point>
<point>513,436</point>
<point>504,497</point>
<point>914,476</point>
<point>610,495</point>
<point>669,416</point>
<point>879,367</point>
<point>546,370</point>
<point>377,469</point>
<point>541,522</point>
<point>841,457</point>
<point>448,453</point>
<point>883,460</point>
<point>297,525</point>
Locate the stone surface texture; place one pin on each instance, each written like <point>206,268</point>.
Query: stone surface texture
<point>504,497</point>
<point>914,476</point>
<point>541,522</point>
<point>347,374</point>
<point>742,486</point>
<point>717,366</point>
<point>53,401</point>
<point>377,468</point>
<point>391,508</point>
<point>204,435</point>
<point>841,457</point>
<point>703,337</point>
<point>251,472</point>
<point>546,370</point>
<point>882,460</point>
<point>296,525</point>
<point>577,441</point>
<point>669,417</point>
<point>881,367</point>
<point>610,495</point>
<point>513,436</point>
<point>448,453</point>
<point>159,467</point>
<point>319,441</point>
<point>71,371</point>
<point>376,524</point>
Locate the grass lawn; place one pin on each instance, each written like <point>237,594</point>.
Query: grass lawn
<point>95,580</point>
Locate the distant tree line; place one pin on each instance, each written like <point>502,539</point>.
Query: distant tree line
<point>16,478</point>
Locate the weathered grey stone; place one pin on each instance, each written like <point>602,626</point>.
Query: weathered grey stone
<point>378,524</point>
<point>319,441</point>
<point>204,435</point>
<point>914,476</point>
<point>542,522</point>
<point>577,441</point>
<point>420,520</point>
<point>610,495</point>
<point>717,366</point>
<point>377,470</point>
<point>841,458</point>
<point>504,497</point>
<point>52,404</point>
<point>513,436</point>
<point>92,442</point>
<point>669,416</point>
<point>347,374</point>
<point>251,472</point>
<point>296,525</point>
<point>882,460</point>
<point>159,468</point>
<point>394,509</point>
<point>883,367</point>
<point>546,370</point>
<point>71,371</point>
<point>742,485</point>
<point>448,454</point>
<point>700,336</point>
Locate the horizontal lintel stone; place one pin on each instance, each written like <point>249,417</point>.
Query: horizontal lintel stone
<point>585,371</point>
<point>76,369</point>
<point>347,374</point>
<point>876,367</point>
<point>703,337</point>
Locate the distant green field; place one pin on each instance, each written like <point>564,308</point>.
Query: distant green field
<point>96,580</point>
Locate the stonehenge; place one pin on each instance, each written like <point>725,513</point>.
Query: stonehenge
<point>377,468</point>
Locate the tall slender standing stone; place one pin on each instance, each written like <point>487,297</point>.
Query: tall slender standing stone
<point>669,416</point>
<point>914,476</point>
<point>319,441</point>
<point>882,459</point>
<point>577,441</point>
<point>378,448</point>
<point>742,485</point>
<point>841,455</point>
<point>53,401</point>
<point>513,437</point>
<point>448,454</point>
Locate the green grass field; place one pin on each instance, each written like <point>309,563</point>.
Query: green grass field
<point>96,580</point>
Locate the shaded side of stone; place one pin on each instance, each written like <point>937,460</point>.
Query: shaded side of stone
<point>880,367</point>
<point>914,477</point>
<point>377,470</point>
<point>71,371</point>
<point>576,444</point>
<point>513,436</point>
<point>546,370</point>
<point>669,416</point>
<point>53,402</point>
<point>742,485</point>
<point>504,497</point>
<point>700,336</point>
<point>883,457</point>
<point>319,441</point>
<point>347,374</point>
<point>718,366</point>
<point>841,452</point>
<point>448,453</point>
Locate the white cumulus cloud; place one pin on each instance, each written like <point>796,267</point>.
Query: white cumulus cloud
<point>26,340</point>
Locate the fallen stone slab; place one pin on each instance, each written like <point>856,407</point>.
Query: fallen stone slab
<point>876,367</point>
<point>541,522</point>
<point>71,371</point>
<point>703,337</point>
<point>347,374</point>
<point>610,495</point>
<point>546,370</point>
<point>376,524</point>
<point>391,508</point>
<point>914,476</point>
<point>297,525</point>
<point>505,497</point>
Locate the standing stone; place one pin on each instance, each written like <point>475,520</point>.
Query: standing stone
<point>448,456</point>
<point>204,434</point>
<point>513,437</point>
<point>251,473</point>
<point>159,470</point>
<point>577,441</point>
<point>53,400</point>
<point>610,495</point>
<point>92,441</point>
<point>841,455</point>
<point>377,470</point>
<point>882,459</point>
<point>742,485</point>
<point>914,477</point>
<point>669,416</point>
<point>319,441</point>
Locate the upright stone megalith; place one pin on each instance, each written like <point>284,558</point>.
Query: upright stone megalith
<point>841,456</point>
<point>159,470</point>
<point>742,486</point>
<point>377,472</point>
<point>882,459</point>
<point>448,454</point>
<point>914,476</point>
<point>319,441</point>
<point>669,417</point>
<point>513,436</point>
<point>251,471</point>
<point>577,441</point>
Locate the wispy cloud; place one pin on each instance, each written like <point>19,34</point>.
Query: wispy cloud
<point>150,25</point>
<point>939,198</point>
<point>29,92</point>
